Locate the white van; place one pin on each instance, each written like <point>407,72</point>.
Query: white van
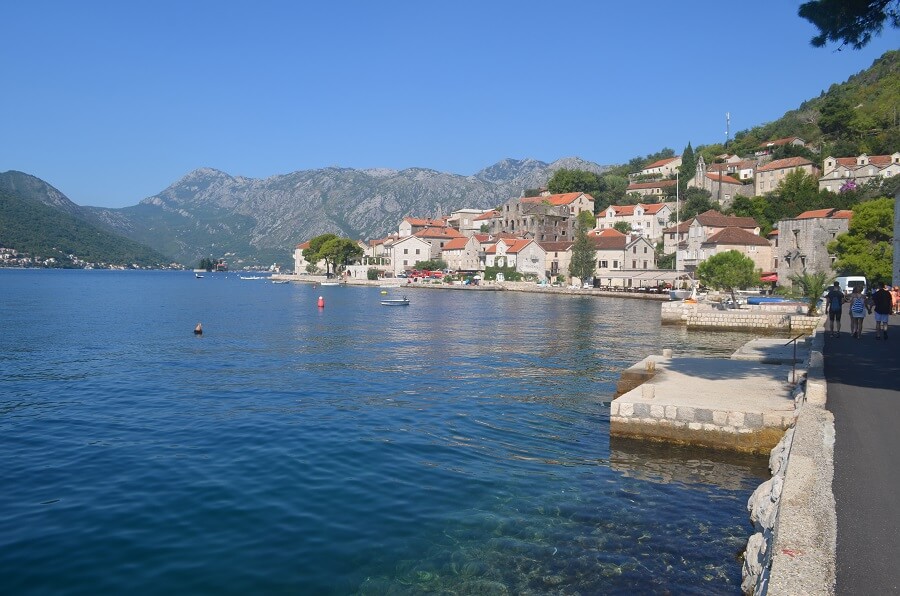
<point>849,282</point>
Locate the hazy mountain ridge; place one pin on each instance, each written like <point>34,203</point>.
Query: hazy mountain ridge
<point>259,220</point>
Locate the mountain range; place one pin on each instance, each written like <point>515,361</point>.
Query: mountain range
<point>259,221</point>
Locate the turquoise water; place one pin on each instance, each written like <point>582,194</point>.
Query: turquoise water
<point>458,445</point>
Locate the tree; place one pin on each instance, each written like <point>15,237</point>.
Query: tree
<point>565,180</point>
<point>866,249</point>
<point>312,255</point>
<point>613,188</point>
<point>695,201</point>
<point>852,23</point>
<point>688,168</point>
<point>431,265</point>
<point>729,270</point>
<point>339,252</point>
<point>622,226</point>
<point>583,255</point>
<point>812,287</point>
<point>587,220</point>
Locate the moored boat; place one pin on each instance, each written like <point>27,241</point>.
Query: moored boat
<point>396,301</point>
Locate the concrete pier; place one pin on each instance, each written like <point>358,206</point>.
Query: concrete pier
<point>742,404</point>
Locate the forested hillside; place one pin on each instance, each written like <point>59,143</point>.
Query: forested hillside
<point>46,233</point>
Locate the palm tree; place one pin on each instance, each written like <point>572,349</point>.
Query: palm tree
<point>812,287</point>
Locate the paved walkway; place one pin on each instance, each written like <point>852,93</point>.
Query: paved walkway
<point>864,395</point>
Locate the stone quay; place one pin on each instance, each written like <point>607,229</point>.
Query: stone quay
<point>742,404</point>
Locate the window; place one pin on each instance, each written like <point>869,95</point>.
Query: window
<point>634,264</point>
<point>604,264</point>
<point>645,264</point>
<point>405,263</point>
<point>418,251</point>
<point>634,250</point>
<point>645,250</point>
<point>406,251</point>
<point>615,264</point>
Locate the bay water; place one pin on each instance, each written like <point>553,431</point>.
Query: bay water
<point>458,445</point>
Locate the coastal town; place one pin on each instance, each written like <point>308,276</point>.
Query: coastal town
<point>534,236</point>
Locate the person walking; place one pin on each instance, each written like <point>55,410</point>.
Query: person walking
<point>834,302</point>
<point>858,307</point>
<point>895,293</point>
<point>883,302</point>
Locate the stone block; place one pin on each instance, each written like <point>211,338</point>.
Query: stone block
<point>720,417</point>
<point>626,410</point>
<point>753,420</point>
<point>703,415</point>
<point>614,409</point>
<point>657,411</point>
<point>736,419</point>
<point>694,426</point>
<point>685,414</point>
<point>671,412</point>
<point>641,410</point>
<point>773,419</point>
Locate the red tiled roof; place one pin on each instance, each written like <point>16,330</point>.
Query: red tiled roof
<point>772,233</point>
<point>816,213</point>
<point>556,246</point>
<point>457,243</point>
<point>723,178</point>
<point>628,210</point>
<point>438,233</point>
<point>516,245</point>
<point>875,160</point>
<point>779,142</point>
<point>714,219</point>
<point>780,164</point>
<point>420,222</point>
<point>660,162</point>
<point>606,233</point>
<point>660,184</point>
<point>489,214</point>
<point>737,237</point>
<point>609,242</point>
<point>842,214</point>
<point>557,200</point>
<point>681,228</point>
<point>744,164</point>
<point>303,245</point>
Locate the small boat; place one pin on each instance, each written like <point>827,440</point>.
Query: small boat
<point>395,301</point>
<point>280,281</point>
<point>330,283</point>
<point>252,277</point>
<point>198,276</point>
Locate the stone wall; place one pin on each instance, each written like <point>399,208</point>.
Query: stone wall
<point>761,317</point>
<point>793,550</point>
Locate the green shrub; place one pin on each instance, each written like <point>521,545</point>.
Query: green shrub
<point>372,274</point>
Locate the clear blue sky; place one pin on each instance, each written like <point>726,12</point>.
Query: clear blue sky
<point>113,101</point>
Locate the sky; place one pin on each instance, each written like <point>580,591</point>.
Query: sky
<point>111,102</point>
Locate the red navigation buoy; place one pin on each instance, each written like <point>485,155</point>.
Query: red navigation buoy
<point>321,302</point>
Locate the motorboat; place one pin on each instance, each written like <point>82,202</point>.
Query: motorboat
<point>395,301</point>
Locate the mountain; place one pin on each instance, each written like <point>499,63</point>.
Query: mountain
<point>258,221</point>
<point>39,221</point>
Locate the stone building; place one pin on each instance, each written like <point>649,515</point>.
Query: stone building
<point>703,227</point>
<point>751,245</point>
<point>719,181</point>
<point>549,218</point>
<point>661,189</point>
<point>850,172</point>
<point>644,220</point>
<point>558,259</point>
<point>802,242</point>
<point>770,175</point>
<point>461,254</point>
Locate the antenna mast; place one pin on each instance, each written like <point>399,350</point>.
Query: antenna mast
<point>727,128</point>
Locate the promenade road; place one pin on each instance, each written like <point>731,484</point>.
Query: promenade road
<point>864,395</point>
